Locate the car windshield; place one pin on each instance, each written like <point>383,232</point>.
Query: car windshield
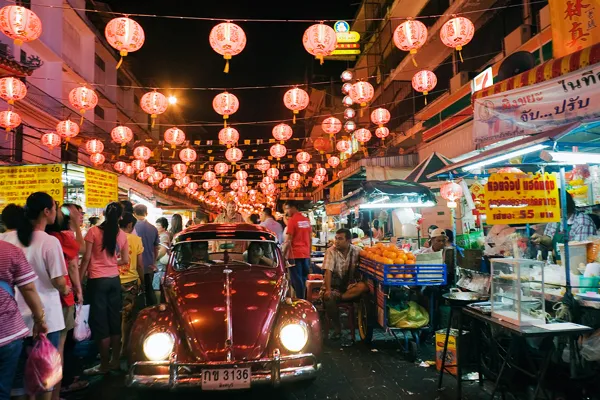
<point>208,253</point>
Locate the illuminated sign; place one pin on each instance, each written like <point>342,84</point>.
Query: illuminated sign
<point>348,37</point>
<point>341,26</point>
<point>483,80</point>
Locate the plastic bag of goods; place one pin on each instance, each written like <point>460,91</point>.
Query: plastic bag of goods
<point>43,369</point>
<point>413,317</point>
<point>82,329</point>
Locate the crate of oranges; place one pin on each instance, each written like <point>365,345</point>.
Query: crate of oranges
<point>393,266</point>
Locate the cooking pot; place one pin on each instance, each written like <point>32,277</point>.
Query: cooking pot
<point>456,295</point>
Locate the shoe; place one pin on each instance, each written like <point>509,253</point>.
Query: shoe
<point>95,371</point>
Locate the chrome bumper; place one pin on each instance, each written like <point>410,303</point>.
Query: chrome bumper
<point>182,376</point>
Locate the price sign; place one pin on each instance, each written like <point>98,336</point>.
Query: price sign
<point>521,199</point>
<point>18,182</point>
<point>101,188</point>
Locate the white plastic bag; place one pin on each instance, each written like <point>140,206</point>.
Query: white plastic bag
<point>82,329</point>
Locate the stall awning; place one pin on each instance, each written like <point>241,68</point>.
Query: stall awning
<point>431,164</point>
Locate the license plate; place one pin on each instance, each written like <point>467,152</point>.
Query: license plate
<point>226,379</point>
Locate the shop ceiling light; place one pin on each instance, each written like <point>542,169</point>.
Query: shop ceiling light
<point>371,206</point>
<point>569,157</point>
<point>504,157</point>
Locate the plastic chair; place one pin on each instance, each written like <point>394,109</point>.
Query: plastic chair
<point>313,287</point>
<point>349,309</point>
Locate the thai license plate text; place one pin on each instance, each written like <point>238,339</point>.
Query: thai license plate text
<point>226,379</point>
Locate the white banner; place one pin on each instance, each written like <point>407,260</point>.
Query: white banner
<point>538,108</point>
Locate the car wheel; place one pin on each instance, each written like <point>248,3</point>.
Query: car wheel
<point>366,320</point>
<point>412,352</point>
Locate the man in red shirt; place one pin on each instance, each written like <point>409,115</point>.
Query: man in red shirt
<point>298,241</point>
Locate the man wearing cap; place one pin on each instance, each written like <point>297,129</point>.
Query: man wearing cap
<point>438,242</point>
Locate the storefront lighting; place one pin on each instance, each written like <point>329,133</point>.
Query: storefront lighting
<point>569,157</point>
<point>371,206</point>
<point>138,199</point>
<point>504,157</point>
<point>172,100</point>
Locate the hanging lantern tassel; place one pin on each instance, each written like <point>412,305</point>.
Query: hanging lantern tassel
<point>425,94</point>
<point>321,60</point>
<point>225,120</point>
<point>123,54</point>
<point>82,111</point>
<point>459,49</point>
<point>413,52</point>
<point>153,117</point>
<point>362,107</point>
<point>294,119</point>
<point>365,152</point>
<point>173,155</point>
<point>227,57</point>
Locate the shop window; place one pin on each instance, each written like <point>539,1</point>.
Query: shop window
<point>99,112</point>
<point>100,62</point>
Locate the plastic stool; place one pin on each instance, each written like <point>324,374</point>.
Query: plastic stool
<point>313,289</point>
<point>349,309</point>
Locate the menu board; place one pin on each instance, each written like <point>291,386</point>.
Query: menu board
<point>18,182</point>
<point>101,188</point>
<point>521,199</point>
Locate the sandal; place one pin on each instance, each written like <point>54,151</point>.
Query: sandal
<point>95,371</point>
<point>76,386</point>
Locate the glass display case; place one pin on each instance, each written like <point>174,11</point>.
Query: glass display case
<point>517,294</point>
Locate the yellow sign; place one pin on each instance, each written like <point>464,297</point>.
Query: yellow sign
<point>575,25</point>
<point>345,52</point>
<point>348,37</point>
<point>18,182</point>
<point>101,188</point>
<point>336,192</point>
<point>521,199</point>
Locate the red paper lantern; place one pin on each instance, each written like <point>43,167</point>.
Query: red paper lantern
<point>241,183</point>
<point>457,32</point>
<point>331,125</point>
<point>303,168</point>
<point>320,40</point>
<point>293,185</point>
<point>97,159</point>
<point>278,151</point>
<point>162,186</point>
<point>333,161</point>
<point>322,145</point>
<point>349,113</point>
<point>343,146</point>
<point>94,146</point>
<point>362,135</point>
<point>180,169</point>
<point>174,136</point>
<point>142,153</point>
<point>167,182</point>
<point>187,155</point>
<point>20,24</point>
<point>273,172</point>
<point>362,93</point>
<point>83,99</point>
<point>234,185</point>
<point>193,186</point>
<point>206,186</point>
<point>243,189</point>
<point>380,116</point>
<point>350,126</point>
<point>157,175</point>
<point>346,87</point>
<point>226,104</point>
<point>296,100</point>
<point>282,132</point>
<point>152,181</point>
<point>263,165</point>
<point>347,76</point>
<point>50,140</point>
<point>303,157</point>
<point>410,36</point>
<point>451,191</point>
<point>149,170</point>
<point>318,179</point>
<point>229,136</point>
<point>129,170</point>
<point>320,171</point>
<point>241,175</point>
<point>138,165</point>
<point>120,166</point>
<point>214,183</point>
<point>209,176</point>
<point>142,176</point>
<point>294,176</point>
<point>221,168</point>
<point>185,180</point>
<point>67,129</point>
<point>347,100</point>
<point>154,103</point>
<point>227,39</point>
<point>233,155</point>
<point>12,89</point>
<point>267,180</point>
<point>125,35</point>
<point>382,132</point>
<point>121,135</point>
<point>424,81</point>
<point>270,188</point>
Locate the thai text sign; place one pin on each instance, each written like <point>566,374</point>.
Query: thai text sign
<point>521,199</point>
<point>336,192</point>
<point>537,108</point>
<point>101,188</point>
<point>575,25</point>
<point>18,182</point>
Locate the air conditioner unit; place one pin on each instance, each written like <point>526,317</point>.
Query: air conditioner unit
<point>516,38</point>
<point>458,81</point>
<point>544,18</point>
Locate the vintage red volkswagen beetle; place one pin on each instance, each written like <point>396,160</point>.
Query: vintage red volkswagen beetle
<point>226,323</point>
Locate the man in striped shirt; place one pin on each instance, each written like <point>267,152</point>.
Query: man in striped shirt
<point>15,271</point>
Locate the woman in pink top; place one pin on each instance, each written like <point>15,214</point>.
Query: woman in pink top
<point>107,248</point>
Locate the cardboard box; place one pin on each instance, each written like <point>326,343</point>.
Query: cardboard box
<point>440,337</point>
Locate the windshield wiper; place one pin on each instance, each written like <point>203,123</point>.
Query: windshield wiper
<point>238,261</point>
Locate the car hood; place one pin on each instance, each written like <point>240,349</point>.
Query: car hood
<point>199,304</point>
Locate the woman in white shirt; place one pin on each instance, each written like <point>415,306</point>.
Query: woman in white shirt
<point>45,255</point>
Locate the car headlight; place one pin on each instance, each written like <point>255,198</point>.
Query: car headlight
<point>293,336</point>
<point>158,346</point>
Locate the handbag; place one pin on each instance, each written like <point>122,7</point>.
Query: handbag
<point>82,329</point>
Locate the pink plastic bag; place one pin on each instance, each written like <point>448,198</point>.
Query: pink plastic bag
<point>43,369</point>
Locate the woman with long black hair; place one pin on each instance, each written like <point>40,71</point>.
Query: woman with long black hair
<point>176,225</point>
<point>106,250</point>
<point>45,255</point>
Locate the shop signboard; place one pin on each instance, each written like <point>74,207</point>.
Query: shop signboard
<point>574,97</point>
<point>336,192</point>
<point>478,195</point>
<point>18,182</point>
<point>483,80</point>
<point>575,25</point>
<point>348,46</point>
<point>101,188</point>
<point>521,199</point>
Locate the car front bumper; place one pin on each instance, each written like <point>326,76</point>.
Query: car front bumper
<point>265,371</point>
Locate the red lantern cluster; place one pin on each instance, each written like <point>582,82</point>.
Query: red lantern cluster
<point>273,172</point>
<point>303,168</point>
<point>138,165</point>
<point>451,191</point>
<point>343,145</point>
<point>94,146</point>
<point>12,89</point>
<point>180,169</point>
<point>380,117</point>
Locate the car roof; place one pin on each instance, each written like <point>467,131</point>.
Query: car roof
<point>226,231</point>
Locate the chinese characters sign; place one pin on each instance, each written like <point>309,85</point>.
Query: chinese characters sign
<point>521,199</point>
<point>575,25</point>
<point>18,182</point>
<point>537,108</point>
<point>101,188</point>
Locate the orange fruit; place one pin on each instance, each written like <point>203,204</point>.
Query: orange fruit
<point>390,275</point>
<point>410,261</point>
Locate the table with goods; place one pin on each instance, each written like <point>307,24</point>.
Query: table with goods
<point>391,273</point>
